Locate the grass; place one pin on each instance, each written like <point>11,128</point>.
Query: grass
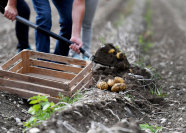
<point>145,45</point>
<point>158,92</point>
<point>125,12</point>
<point>102,40</point>
<point>151,128</point>
<point>145,39</point>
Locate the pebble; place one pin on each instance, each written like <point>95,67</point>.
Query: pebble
<point>14,102</point>
<point>180,119</point>
<point>20,102</point>
<point>34,130</point>
<point>106,120</point>
<point>18,120</point>
<point>87,127</point>
<point>163,120</point>
<point>3,128</point>
<point>24,111</point>
<point>12,130</point>
<point>51,131</point>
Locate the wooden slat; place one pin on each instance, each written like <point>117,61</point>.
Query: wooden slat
<point>55,66</point>
<point>80,75</point>
<point>16,67</point>
<point>20,70</point>
<point>52,73</point>
<point>31,87</point>
<point>23,93</point>
<point>83,82</point>
<point>57,58</point>
<point>35,80</point>
<point>25,61</point>
<point>11,61</point>
<point>26,94</point>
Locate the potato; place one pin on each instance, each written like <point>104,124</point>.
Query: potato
<point>118,80</point>
<point>111,51</point>
<point>130,70</point>
<point>120,56</point>
<point>110,82</point>
<point>118,87</point>
<point>102,85</point>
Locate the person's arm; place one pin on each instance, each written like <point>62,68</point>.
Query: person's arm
<point>77,18</point>
<point>11,10</point>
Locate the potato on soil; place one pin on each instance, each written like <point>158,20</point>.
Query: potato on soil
<point>118,80</point>
<point>111,51</point>
<point>120,56</point>
<point>118,87</point>
<point>110,82</point>
<point>102,85</point>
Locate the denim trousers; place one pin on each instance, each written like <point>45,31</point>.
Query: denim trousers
<point>22,31</point>
<point>43,19</point>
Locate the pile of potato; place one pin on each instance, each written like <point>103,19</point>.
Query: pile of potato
<point>115,85</point>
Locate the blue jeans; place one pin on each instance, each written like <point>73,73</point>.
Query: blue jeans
<point>43,19</point>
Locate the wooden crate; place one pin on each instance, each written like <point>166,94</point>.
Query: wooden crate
<point>30,73</point>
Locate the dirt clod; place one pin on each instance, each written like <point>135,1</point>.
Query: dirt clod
<point>115,59</point>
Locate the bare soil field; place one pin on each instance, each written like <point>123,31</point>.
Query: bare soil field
<point>119,22</point>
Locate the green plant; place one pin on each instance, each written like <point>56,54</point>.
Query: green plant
<point>141,62</point>
<point>129,97</point>
<point>148,15</point>
<point>117,23</point>
<point>153,129</point>
<point>158,92</point>
<point>102,40</point>
<point>41,110</point>
<point>70,100</point>
<point>144,44</point>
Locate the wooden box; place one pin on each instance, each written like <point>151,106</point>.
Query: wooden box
<point>30,73</point>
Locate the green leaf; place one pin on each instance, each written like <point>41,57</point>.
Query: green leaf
<point>44,116</point>
<point>32,120</point>
<point>33,98</point>
<point>31,111</point>
<point>46,106</point>
<point>37,107</point>
<point>150,127</point>
<point>52,104</point>
<point>34,101</point>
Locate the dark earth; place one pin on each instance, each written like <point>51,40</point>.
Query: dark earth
<point>101,111</point>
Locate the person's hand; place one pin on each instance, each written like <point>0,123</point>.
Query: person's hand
<point>77,44</point>
<point>10,12</point>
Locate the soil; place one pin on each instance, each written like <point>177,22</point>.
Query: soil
<point>13,112</point>
<point>115,59</point>
<point>168,57</point>
<point>101,111</point>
